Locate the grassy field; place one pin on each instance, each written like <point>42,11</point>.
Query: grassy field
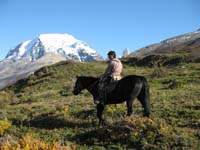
<point>43,110</point>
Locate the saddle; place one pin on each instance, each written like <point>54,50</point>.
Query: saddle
<point>111,86</point>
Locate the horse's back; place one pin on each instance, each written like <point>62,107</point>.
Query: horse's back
<point>133,78</point>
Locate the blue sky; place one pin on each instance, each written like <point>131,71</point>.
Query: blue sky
<point>103,24</point>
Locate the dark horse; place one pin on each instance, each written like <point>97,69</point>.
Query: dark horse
<point>127,89</point>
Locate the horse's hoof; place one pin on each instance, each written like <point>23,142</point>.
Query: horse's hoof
<point>146,115</point>
<point>104,122</point>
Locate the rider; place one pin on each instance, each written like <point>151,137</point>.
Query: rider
<point>112,73</point>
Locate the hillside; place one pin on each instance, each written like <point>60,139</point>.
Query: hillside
<point>170,52</point>
<point>188,44</point>
<point>44,107</point>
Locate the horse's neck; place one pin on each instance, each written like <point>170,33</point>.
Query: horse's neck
<point>86,82</point>
<point>91,84</point>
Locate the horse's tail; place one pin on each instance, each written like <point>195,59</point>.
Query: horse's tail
<point>145,96</point>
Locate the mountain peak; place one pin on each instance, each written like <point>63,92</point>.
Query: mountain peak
<point>61,44</point>
<point>56,37</point>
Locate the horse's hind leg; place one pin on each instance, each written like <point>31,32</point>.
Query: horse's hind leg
<point>100,109</point>
<point>145,104</point>
<point>135,92</point>
<point>144,98</point>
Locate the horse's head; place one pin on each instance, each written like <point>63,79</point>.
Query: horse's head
<point>78,86</point>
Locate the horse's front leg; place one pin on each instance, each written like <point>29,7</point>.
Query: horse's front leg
<point>100,109</point>
<point>129,107</point>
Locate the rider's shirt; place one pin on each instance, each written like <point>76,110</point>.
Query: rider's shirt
<point>114,68</point>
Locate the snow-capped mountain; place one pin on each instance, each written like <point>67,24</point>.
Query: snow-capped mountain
<point>47,49</point>
<point>59,44</point>
<point>188,41</point>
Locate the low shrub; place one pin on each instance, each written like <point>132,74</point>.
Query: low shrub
<point>4,125</point>
<point>29,143</point>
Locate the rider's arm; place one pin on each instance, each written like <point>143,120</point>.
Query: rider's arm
<point>109,69</point>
